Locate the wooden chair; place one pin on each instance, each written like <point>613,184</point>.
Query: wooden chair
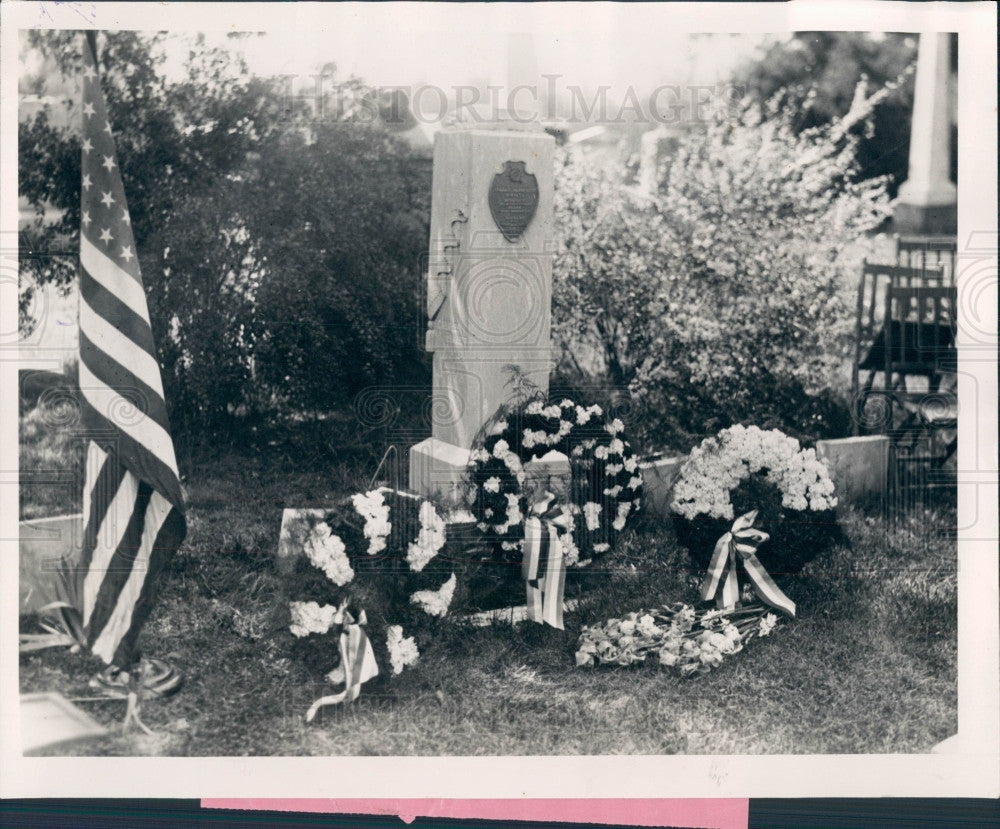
<point>870,333</point>
<point>919,333</point>
<point>919,326</point>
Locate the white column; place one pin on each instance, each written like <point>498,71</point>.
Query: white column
<point>927,198</point>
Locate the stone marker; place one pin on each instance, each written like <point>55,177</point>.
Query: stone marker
<point>49,719</point>
<point>859,466</point>
<point>296,525</point>
<point>489,286</point>
<point>928,198</point>
<point>658,478</point>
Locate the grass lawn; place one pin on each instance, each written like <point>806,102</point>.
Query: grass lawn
<point>868,667</point>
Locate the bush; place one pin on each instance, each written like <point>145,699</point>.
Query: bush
<point>280,251</point>
<point>725,295</point>
<point>340,228</point>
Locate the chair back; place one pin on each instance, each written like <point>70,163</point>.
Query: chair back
<point>876,279</point>
<point>920,252</point>
<point>870,314</point>
<point>920,327</point>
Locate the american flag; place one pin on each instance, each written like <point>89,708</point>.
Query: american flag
<point>133,507</point>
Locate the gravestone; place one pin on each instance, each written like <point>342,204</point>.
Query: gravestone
<point>489,286</point>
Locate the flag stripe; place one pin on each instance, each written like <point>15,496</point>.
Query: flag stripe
<point>124,319</point>
<point>167,541</point>
<point>107,338</point>
<point>135,457</point>
<point>100,487</point>
<point>113,279</point>
<point>109,534</point>
<point>120,620</point>
<point>95,465</point>
<point>125,383</point>
<point>121,563</point>
<point>145,431</point>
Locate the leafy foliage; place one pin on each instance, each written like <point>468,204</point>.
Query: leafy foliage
<point>818,72</point>
<point>277,248</point>
<point>722,296</point>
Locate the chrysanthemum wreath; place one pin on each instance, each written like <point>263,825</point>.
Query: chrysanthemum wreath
<point>745,468</point>
<point>510,477</point>
<point>374,552</point>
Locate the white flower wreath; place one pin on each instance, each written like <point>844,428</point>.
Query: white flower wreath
<point>721,463</point>
<point>605,487</point>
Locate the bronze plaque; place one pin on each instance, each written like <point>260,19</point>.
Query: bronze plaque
<point>513,199</point>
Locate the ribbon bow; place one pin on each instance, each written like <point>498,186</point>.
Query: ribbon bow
<point>741,543</point>
<point>356,658</point>
<point>543,553</point>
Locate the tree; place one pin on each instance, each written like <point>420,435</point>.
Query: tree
<point>280,247</point>
<point>819,71</point>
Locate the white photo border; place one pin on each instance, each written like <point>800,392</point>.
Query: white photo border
<point>971,769</point>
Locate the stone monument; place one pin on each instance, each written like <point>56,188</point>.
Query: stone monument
<point>489,284</point>
<point>928,198</point>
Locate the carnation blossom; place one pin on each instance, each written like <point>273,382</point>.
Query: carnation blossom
<point>372,507</point>
<point>436,602</point>
<point>767,624</point>
<point>591,514</point>
<point>311,617</point>
<point>430,539</point>
<point>514,515</point>
<point>327,552</point>
<point>402,652</point>
<point>571,553</point>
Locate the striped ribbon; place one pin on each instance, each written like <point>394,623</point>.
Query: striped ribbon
<point>356,657</point>
<point>543,553</point>
<point>740,544</point>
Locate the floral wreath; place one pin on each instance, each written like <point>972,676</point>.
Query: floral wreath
<point>390,535</point>
<point>716,467</point>
<point>604,489</point>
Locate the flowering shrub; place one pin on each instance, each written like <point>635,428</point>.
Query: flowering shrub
<point>676,636</point>
<point>726,294</point>
<point>745,465</point>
